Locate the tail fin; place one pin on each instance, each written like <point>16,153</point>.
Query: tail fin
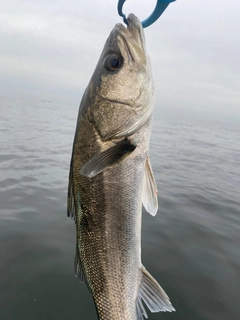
<point>153,295</point>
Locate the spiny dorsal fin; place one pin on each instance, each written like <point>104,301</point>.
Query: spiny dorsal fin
<point>70,203</point>
<point>153,296</point>
<point>149,194</point>
<point>107,158</point>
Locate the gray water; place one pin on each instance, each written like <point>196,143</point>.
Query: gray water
<point>191,247</point>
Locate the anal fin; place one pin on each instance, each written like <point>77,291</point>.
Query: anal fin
<point>153,296</point>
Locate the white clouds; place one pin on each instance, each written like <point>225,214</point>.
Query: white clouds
<point>194,47</point>
<point>14,24</point>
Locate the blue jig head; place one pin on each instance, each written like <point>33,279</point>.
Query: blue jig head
<point>159,9</point>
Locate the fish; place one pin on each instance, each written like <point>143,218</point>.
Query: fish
<point>111,177</point>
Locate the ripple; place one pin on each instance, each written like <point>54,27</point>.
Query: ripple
<point>191,246</point>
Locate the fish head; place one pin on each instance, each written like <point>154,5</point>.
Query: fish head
<point>121,89</point>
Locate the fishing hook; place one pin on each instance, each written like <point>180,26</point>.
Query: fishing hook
<point>159,9</point>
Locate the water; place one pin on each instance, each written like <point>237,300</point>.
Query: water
<point>191,247</point>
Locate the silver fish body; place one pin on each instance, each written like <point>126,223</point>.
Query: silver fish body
<point>111,176</point>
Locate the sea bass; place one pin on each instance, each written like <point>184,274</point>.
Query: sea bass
<point>111,177</point>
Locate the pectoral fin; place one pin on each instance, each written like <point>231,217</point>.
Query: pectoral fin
<point>149,194</point>
<point>107,158</point>
<point>153,296</point>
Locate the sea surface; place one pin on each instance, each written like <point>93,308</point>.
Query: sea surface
<point>192,246</point>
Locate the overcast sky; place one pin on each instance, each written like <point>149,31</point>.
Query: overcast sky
<point>49,49</point>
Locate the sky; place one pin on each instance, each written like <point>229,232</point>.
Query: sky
<point>49,49</point>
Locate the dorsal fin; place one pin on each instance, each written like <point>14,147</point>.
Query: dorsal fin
<point>79,269</point>
<point>70,203</point>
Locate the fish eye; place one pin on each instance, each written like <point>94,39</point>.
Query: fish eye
<point>112,62</point>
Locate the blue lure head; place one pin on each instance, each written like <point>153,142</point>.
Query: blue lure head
<point>159,9</point>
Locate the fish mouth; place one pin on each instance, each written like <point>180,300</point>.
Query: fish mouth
<point>134,31</point>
